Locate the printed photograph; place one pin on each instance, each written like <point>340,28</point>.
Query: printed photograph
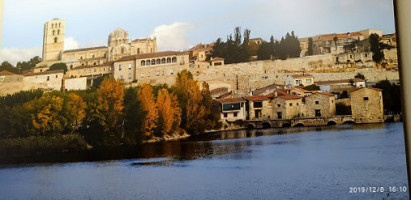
<point>219,99</point>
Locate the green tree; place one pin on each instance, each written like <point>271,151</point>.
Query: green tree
<point>375,47</point>
<point>312,87</point>
<point>9,67</point>
<point>391,96</point>
<point>58,66</point>
<point>27,65</point>
<point>235,49</point>
<point>310,50</point>
<point>134,116</point>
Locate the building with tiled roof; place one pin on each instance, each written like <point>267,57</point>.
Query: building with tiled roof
<point>299,80</point>
<point>319,104</point>
<point>232,109</point>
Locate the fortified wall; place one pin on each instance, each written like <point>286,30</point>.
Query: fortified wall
<point>249,76</point>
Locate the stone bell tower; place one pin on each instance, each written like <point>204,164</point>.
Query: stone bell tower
<point>53,40</point>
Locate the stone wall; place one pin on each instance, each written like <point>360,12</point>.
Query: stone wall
<point>367,106</point>
<point>76,83</point>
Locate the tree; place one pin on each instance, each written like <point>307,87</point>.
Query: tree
<point>58,66</point>
<point>146,97</point>
<point>134,116</point>
<point>310,47</point>
<point>235,49</point>
<point>169,112</point>
<point>9,67</point>
<point>376,48</point>
<point>189,96</point>
<point>27,65</point>
<point>391,94</point>
<point>335,39</point>
<point>110,109</point>
<point>212,111</point>
<point>73,111</point>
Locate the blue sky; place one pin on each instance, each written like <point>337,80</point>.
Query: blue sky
<point>180,24</point>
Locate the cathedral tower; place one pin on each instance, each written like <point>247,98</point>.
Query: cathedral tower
<point>53,40</point>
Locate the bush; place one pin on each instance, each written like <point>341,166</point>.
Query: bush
<point>41,144</point>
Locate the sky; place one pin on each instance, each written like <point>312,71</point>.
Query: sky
<point>181,24</point>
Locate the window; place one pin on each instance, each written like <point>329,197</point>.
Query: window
<point>71,66</point>
<point>92,56</point>
<point>198,66</point>
<point>48,78</point>
<point>129,76</point>
<point>225,115</point>
<point>104,69</point>
<point>143,63</point>
<point>121,77</point>
<point>138,50</point>
<point>298,104</point>
<point>258,104</point>
<point>52,25</point>
<point>318,113</point>
<point>172,71</point>
<point>95,63</point>
<point>174,59</point>
<point>298,82</point>
<point>57,76</point>
<point>129,66</point>
<point>158,61</point>
<point>308,80</point>
<point>168,60</point>
<point>153,62</point>
<point>317,102</point>
<point>147,62</point>
<point>163,61</point>
<point>58,32</point>
<point>365,98</point>
<point>279,115</point>
<point>235,114</point>
<point>158,73</point>
<point>278,105</point>
<point>55,40</point>
<point>231,106</point>
<point>291,104</point>
<point>142,75</point>
<point>122,50</point>
<point>54,32</point>
<point>81,57</point>
<point>119,67</point>
<point>148,74</point>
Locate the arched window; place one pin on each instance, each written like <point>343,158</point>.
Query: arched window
<point>163,61</point>
<point>122,50</point>
<point>58,32</point>
<point>55,40</point>
<point>52,25</point>
<point>147,62</point>
<point>81,57</point>
<point>71,66</point>
<point>158,61</point>
<point>174,59</point>
<point>143,63</point>
<point>138,50</point>
<point>95,63</point>
<point>153,62</point>
<point>168,60</point>
<point>59,24</point>
<point>54,32</point>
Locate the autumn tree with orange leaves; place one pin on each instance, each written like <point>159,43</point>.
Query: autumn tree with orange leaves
<point>110,109</point>
<point>169,112</point>
<point>146,97</point>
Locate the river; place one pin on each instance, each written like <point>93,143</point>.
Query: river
<point>294,163</point>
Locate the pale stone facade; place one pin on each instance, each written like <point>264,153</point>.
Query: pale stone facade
<point>287,107</point>
<point>299,80</point>
<point>319,104</point>
<point>53,41</point>
<point>258,107</point>
<point>232,109</point>
<point>152,68</point>
<point>367,105</point>
<point>76,83</point>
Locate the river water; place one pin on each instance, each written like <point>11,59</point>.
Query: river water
<point>294,163</point>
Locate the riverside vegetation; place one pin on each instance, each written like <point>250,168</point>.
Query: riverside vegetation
<point>104,116</point>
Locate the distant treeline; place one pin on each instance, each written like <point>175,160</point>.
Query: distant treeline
<point>110,114</point>
<point>238,48</point>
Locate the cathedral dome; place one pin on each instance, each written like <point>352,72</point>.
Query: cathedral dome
<point>117,37</point>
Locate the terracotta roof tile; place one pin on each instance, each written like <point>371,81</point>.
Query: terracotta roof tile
<point>85,49</point>
<point>290,97</point>
<point>7,73</point>
<point>45,73</point>
<point>231,100</point>
<point>256,98</point>
<point>152,55</point>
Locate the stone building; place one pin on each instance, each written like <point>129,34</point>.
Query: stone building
<point>299,80</point>
<point>152,68</point>
<point>286,107</point>
<point>232,109</point>
<point>320,104</point>
<point>119,45</point>
<point>258,107</point>
<point>337,86</point>
<point>367,105</point>
<point>10,83</point>
<point>90,71</point>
